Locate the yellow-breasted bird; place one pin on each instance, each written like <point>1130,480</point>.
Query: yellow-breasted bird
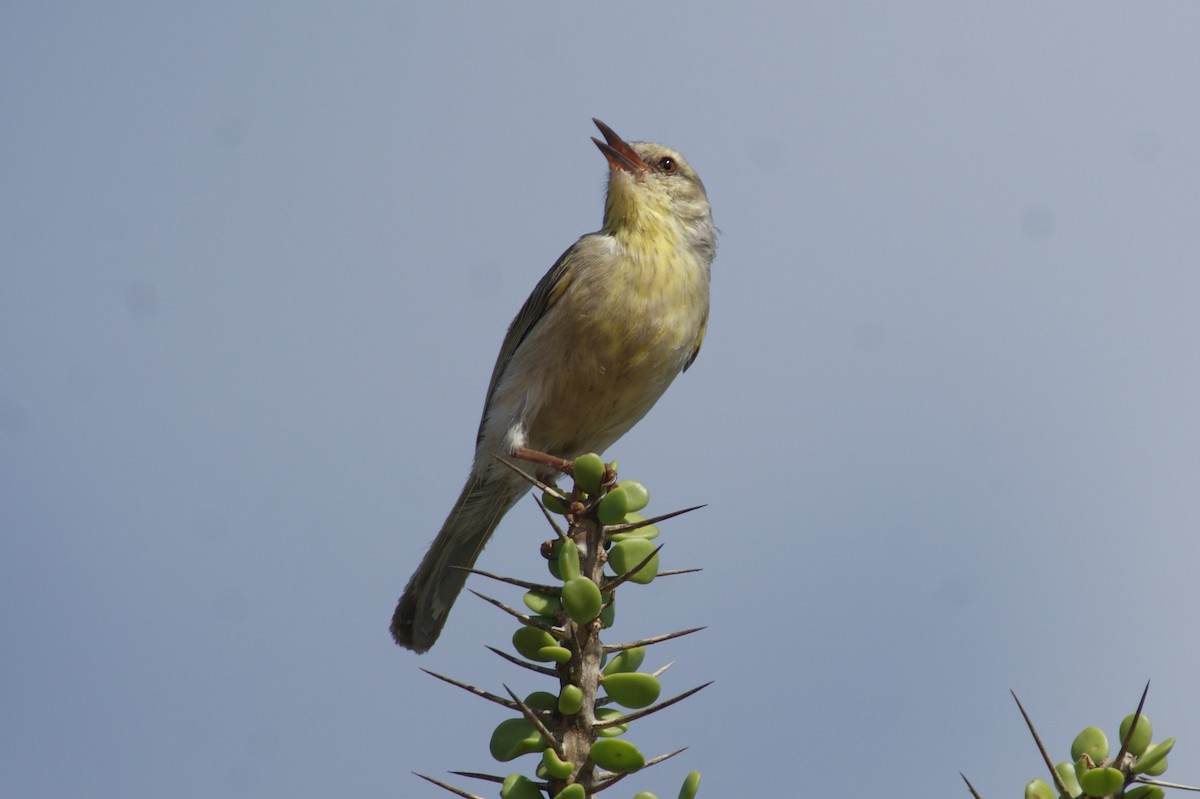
<point>606,330</point>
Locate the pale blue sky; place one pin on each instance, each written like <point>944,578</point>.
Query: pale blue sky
<point>255,265</point>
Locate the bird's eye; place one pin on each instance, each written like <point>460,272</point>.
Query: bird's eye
<point>667,165</point>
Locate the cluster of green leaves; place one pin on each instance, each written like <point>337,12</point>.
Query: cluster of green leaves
<point>1092,773</point>
<point>578,730</point>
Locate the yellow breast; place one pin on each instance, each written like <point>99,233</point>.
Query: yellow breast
<point>629,319</point>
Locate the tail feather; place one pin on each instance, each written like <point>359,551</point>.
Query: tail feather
<point>426,602</point>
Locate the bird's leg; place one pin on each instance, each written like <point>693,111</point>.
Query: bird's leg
<point>545,459</point>
<point>560,464</point>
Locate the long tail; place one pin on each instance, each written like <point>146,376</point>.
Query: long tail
<point>426,602</point>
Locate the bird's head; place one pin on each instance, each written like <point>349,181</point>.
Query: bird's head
<point>654,193</point>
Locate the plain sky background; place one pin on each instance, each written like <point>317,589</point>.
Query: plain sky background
<point>256,261</point>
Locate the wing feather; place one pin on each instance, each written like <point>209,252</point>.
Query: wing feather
<point>544,296</point>
<point>699,340</point>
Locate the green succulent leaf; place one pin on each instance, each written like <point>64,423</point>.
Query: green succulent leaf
<point>572,791</point>
<point>513,738</point>
<point>542,604</point>
<point>518,786</point>
<point>1091,741</point>
<point>627,554</point>
<point>1154,760</point>
<point>553,504</point>
<point>542,700</point>
<point>1066,773</point>
<point>613,507</point>
<point>570,700</point>
<point>648,532</point>
<point>617,755</point>
<point>568,559</point>
<point>1038,788</point>
<point>632,689</point>
<point>626,660</point>
<point>637,495</point>
<point>530,641</point>
<point>691,784</point>
<point>608,714</point>
<point>1141,734</point>
<point>581,599</point>
<point>608,615</point>
<point>556,767</point>
<point>559,654</point>
<point>589,473</point>
<point>1102,781</point>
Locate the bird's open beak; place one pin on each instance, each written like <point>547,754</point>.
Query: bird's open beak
<point>618,152</point>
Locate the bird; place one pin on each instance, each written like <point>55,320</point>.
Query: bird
<point>618,316</point>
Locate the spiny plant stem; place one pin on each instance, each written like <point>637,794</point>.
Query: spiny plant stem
<point>577,734</point>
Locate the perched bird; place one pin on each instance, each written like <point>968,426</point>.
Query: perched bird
<point>606,330</point>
